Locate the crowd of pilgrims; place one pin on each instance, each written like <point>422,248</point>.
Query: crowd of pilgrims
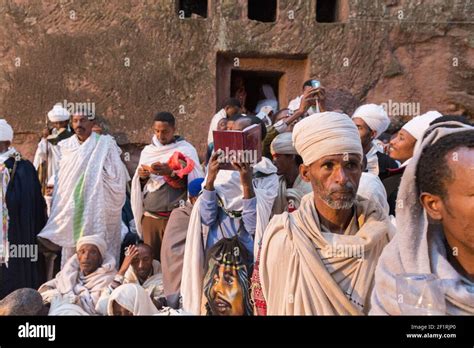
<point>329,219</point>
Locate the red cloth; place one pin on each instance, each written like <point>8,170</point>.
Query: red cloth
<point>182,166</point>
<point>260,305</point>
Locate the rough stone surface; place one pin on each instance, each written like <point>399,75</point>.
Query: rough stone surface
<point>52,51</point>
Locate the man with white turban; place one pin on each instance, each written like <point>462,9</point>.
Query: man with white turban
<point>292,187</point>
<point>320,259</point>
<point>89,192</point>
<point>402,148</point>
<point>79,284</point>
<point>23,215</point>
<point>435,227</point>
<point>371,121</point>
<point>47,155</point>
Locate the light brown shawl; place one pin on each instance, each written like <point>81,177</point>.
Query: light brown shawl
<point>297,280</point>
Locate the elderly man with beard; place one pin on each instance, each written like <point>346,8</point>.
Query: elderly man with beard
<point>320,259</point>
<point>76,289</point>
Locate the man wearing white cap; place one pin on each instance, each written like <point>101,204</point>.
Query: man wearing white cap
<point>46,159</point>
<point>90,189</point>
<point>23,215</point>
<point>320,259</point>
<point>402,148</point>
<point>292,187</point>
<point>371,121</point>
<point>79,284</point>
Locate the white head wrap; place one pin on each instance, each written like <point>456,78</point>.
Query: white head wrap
<point>418,125</point>
<point>133,298</point>
<point>6,131</point>
<point>283,144</point>
<point>58,113</point>
<point>263,114</point>
<point>51,180</point>
<point>325,134</point>
<point>374,116</point>
<point>94,239</point>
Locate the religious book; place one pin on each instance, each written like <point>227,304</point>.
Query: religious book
<point>238,146</point>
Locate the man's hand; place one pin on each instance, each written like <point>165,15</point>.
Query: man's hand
<point>130,253</point>
<point>143,173</point>
<point>212,171</point>
<point>45,133</point>
<point>246,174</point>
<point>309,98</point>
<point>162,168</point>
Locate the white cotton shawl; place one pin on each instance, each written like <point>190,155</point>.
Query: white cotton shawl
<point>302,270</point>
<point>153,153</point>
<point>89,194</point>
<point>81,290</point>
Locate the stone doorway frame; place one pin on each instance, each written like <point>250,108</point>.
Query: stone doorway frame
<point>294,70</point>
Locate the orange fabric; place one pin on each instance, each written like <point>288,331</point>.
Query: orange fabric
<point>182,166</point>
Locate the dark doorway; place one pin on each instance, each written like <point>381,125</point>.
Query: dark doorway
<point>251,82</point>
<point>190,7</point>
<point>262,10</point>
<point>326,11</point>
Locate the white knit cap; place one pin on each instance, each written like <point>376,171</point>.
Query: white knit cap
<point>96,240</point>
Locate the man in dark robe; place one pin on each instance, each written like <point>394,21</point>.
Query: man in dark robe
<point>23,212</point>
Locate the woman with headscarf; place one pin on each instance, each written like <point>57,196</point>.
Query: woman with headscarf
<point>402,148</point>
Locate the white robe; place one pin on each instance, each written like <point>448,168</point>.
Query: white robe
<point>50,153</point>
<point>89,194</point>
